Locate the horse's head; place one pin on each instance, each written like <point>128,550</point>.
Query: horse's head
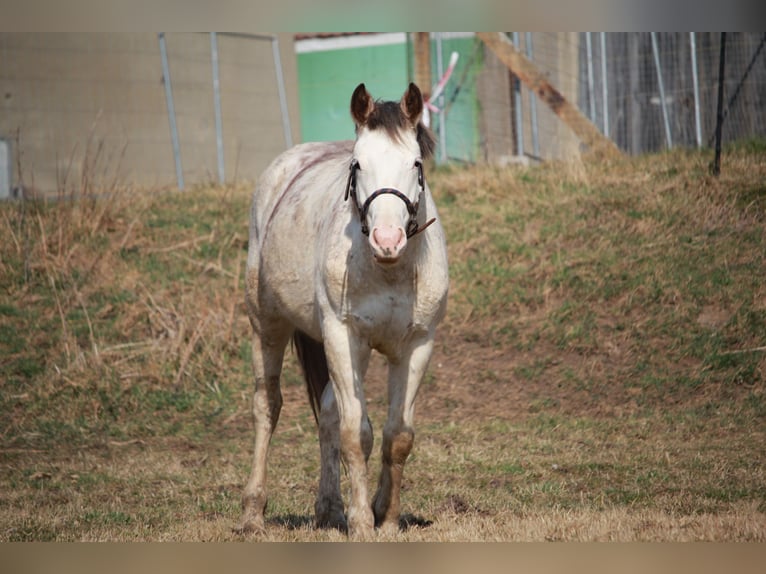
<point>386,174</point>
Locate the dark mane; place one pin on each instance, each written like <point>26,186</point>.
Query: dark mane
<point>389,116</point>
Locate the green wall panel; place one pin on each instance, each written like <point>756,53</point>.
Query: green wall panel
<point>327,78</point>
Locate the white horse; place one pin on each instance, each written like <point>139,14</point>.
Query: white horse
<point>343,259</point>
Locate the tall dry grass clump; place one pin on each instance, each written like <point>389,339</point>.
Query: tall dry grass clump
<point>108,299</point>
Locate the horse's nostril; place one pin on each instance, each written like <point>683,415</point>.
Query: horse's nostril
<point>388,239</point>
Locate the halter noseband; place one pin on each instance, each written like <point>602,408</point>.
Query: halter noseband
<point>412,208</point>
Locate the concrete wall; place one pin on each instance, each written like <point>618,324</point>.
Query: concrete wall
<point>496,120</point>
<point>92,106</point>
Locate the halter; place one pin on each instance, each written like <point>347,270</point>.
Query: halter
<point>412,208</point>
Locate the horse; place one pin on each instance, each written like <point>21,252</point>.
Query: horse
<point>346,254</point>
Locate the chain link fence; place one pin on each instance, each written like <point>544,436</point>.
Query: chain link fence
<point>646,91</point>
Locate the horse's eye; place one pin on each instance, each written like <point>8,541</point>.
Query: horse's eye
<point>418,164</point>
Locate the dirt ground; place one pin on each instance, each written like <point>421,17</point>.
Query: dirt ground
<point>476,381</point>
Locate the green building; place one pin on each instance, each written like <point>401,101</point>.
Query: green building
<point>330,67</point>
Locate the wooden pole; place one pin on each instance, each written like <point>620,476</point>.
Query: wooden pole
<point>423,63</point>
<point>535,80</point>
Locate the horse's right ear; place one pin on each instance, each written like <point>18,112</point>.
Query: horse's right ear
<point>361,105</point>
<point>412,104</point>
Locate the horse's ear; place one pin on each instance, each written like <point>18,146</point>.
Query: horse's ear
<point>412,104</point>
<point>361,105</point>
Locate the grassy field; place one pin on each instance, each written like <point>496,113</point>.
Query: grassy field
<point>600,374</point>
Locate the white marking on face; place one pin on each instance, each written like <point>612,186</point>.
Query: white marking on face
<point>386,163</point>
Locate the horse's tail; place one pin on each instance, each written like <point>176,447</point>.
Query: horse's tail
<point>313,361</point>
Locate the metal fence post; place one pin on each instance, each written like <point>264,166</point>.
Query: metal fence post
<point>282,96</point>
<point>591,89</point>
<point>532,99</point>
<point>6,169</point>
<point>604,85</point>
<point>695,81</point>
<point>442,114</point>
<point>719,115</point>
<point>663,102</point>
<point>517,103</point>
<point>217,105</point>
<point>171,110</point>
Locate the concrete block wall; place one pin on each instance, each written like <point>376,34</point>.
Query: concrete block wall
<point>556,54</point>
<point>77,106</point>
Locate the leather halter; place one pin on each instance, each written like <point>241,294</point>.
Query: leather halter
<point>412,208</point>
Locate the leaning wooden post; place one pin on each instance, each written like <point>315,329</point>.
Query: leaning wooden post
<point>535,80</point>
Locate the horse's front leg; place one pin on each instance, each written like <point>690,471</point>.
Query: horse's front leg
<point>347,360</point>
<point>404,378</point>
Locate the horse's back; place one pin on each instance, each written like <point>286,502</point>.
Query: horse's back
<point>285,176</point>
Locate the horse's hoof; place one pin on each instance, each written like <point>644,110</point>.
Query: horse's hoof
<point>251,523</point>
<point>333,520</point>
<point>330,514</point>
<point>386,518</point>
<point>389,527</point>
<point>361,526</point>
<point>361,533</point>
<point>245,529</point>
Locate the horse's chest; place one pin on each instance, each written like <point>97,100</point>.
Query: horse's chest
<point>384,320</point>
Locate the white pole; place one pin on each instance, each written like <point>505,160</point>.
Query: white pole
<point>532,99</point>
<point>217,105</point>
<point>663,103</point>
<point>171,110</point>
<point>591,95</point>
<point>695,81</point>
<point>282,95</point>
<point>604,85</point>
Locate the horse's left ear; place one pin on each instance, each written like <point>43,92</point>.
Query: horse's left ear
<point>412,104</point>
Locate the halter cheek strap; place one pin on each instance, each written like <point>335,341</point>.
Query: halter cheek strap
<point>351,183</point>
<point>412,208</point>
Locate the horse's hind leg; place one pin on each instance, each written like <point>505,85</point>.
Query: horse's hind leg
<point>329,504</point>
<point>268,353</point>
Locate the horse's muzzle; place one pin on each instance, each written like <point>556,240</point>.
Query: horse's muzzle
<point>388,243</point>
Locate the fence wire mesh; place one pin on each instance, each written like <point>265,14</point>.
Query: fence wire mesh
<point>646,91</point>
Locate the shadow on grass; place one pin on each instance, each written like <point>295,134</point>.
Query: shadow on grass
<point>291,521</point>
<point>297,521</point>
<point>407,521</point>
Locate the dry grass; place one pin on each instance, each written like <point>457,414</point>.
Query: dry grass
<point>600,374</point>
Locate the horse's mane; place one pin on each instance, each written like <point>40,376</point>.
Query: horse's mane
<point>389,116</point>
